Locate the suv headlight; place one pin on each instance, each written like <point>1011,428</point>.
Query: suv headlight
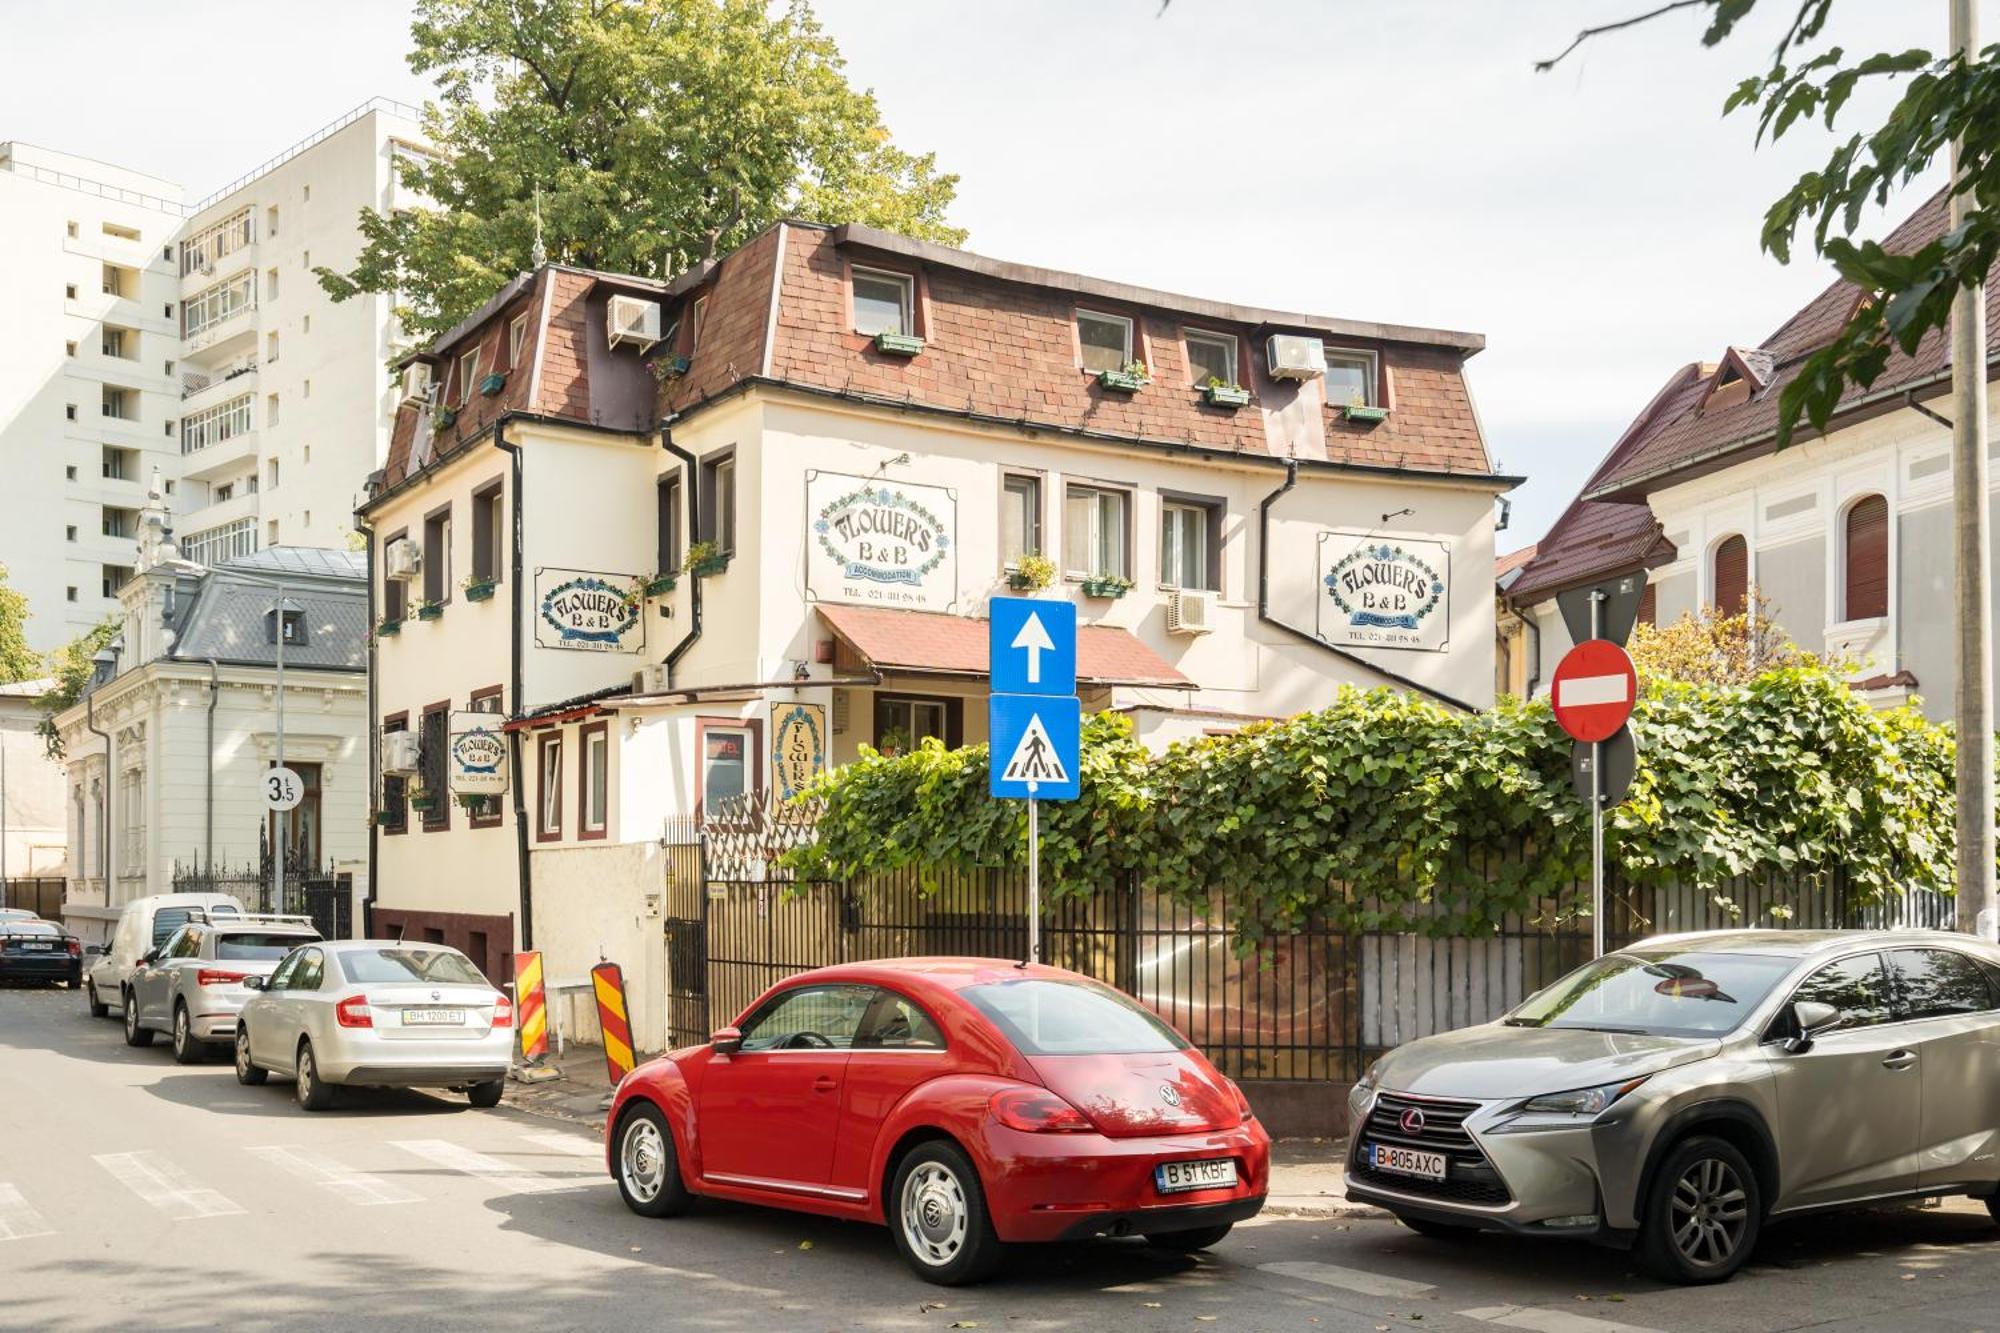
<point>1363,1092</point>
<point>1583,1101</point>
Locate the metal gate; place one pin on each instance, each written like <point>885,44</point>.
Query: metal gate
<point>42,895</point>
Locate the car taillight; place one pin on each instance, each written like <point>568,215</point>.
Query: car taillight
<point>210,976</point>
<point>503,1012</point>
<point>353,1012</point>
<point>1038,1111</point>
<point>1242,1102</point>
<point>76,948</point>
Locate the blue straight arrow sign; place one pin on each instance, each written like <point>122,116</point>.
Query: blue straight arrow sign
<point>1031,646</point>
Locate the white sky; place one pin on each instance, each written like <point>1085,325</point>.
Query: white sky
<point>1377,159</point>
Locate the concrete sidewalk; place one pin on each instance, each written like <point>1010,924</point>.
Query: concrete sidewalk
<point>1306,1175</point>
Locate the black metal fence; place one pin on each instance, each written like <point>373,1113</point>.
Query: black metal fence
<point>317,893</point>
<point>1316,1005</point>
<point>40,894</point>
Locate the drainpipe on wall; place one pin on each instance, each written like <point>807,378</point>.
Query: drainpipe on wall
<point>208,800</point>
<point>104,816</point>
<point>1534,629</point>
<point>524,864</point>
<point>367,531</point>
<point>689,478</point>
<point>1264,601</point>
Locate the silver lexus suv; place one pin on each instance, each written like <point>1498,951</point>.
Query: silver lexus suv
<point>1675,1095</point>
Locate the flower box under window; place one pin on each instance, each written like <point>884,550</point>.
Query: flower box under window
<point>386,819</point>
<point>898,344</point>
<point>1367,415</point>
<point>493,383</point>
<point>389,627</point>
<point>1225,395</point>
<point>479,590</point>
<point>430,611</point>
<point>447,417</point>
<point>423,800</point>
<point>670,367</point>
<point>660,585</point>
<point>1121,381</point>
<point>1106,585</point>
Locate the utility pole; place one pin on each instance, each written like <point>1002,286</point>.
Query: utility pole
<point>1972,550</point>
<point>277,824</point>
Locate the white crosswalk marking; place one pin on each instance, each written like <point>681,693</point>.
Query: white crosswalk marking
<point>1348,1279</point>
<point>452,1157</point>
<point>356,1187</point>
<point>18,1221</point>
<point>572,1145</point>
<point>1548,1321</point>
<point>165,1186</point>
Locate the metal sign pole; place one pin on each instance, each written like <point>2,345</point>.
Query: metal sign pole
<point>1034,878</point>
<point>1596,811</point>
<point>277,824</point>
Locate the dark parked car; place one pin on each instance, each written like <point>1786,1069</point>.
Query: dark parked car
<point>35,950</point>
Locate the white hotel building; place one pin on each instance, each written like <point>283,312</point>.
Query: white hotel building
<point>147,332</point>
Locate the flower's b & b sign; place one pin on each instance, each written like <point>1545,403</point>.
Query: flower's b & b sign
<point>798,746</point>
<point>1384,591</point>
<point>882,543</point>
<point>588,612</point>
<point>478,755</point>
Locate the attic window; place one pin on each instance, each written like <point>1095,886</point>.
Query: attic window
<point>294,624</point>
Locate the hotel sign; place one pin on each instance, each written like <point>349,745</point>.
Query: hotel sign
<point>1384,591</point>
<point>877,542</point>
<point>478,755</point>
<point>587,612</point>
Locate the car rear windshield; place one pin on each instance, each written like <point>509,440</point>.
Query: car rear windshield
<point>255,944</point>
<point>1666,994</point>
<point>408,963</point>
<point>1065,1018</point>
<point>29,928</point>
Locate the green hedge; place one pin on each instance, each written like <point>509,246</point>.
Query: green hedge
<point>1387,811</point>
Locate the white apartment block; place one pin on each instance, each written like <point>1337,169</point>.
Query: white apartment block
<point>144,332</point>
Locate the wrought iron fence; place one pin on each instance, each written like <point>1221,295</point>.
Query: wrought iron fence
<point>1316,1005</point>
<point>314,892</point>
<point>40,894</point>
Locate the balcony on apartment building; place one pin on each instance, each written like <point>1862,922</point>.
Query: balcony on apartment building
<point>118,296</point>
<point>204,389</point>
<point>219,442</point>
<point>230,503</point>
<point>217,250</point>
<point>219,322</point>
<point>118,245</point>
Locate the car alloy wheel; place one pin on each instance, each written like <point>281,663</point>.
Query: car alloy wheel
<point>248,1072</point>
<point>184,1051</point>
<point>135,1035</point>
<point>1710,1213</point>
<point>935,1214</point>
<point>642,1160</point>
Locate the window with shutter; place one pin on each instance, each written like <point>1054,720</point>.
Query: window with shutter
<point>1648,607</point>
<point>1867,581</point>
<point>1730,584</point>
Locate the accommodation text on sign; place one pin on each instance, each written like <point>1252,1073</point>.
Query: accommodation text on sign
<point>1384,592</point>
<point>589,612</point>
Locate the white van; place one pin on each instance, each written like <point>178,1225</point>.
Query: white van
<point>142,928</point>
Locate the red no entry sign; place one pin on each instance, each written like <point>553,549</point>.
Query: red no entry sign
<point>1593,690</point>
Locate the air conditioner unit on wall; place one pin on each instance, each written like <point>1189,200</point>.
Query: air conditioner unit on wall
<point>401,752</point>
<point>1290,356</point>
<point>402,559</point>
<point>416,382</point>
<point>630,319</point>
<point>650,679</point>
<point>1190,612</point>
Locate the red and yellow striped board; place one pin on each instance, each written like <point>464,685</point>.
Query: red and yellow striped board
<point>608,980</point>
<point>531,1006</point>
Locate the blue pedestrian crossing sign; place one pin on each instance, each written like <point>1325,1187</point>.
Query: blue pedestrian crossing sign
<point>1035,741</point>
<point>1031,646</point>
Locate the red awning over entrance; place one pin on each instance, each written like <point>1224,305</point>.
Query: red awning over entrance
<point>931,643</point>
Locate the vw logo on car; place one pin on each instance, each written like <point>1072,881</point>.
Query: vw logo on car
<point>1169,1094</point>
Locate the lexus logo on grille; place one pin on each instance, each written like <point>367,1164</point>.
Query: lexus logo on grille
<point>1169,1094</point>
<point>1412,1121</point>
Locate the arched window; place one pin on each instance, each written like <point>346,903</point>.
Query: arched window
<point>1729,580</point>
<point>1866,582</point>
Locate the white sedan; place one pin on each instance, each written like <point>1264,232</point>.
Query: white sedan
<point>376,1013</point>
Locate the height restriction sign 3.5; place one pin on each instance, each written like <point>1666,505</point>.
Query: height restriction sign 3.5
<point>1593,690</point>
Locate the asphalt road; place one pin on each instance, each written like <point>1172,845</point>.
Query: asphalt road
<point>135,1193</point>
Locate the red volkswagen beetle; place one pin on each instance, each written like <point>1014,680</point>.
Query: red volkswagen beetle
<point>964,1102</point>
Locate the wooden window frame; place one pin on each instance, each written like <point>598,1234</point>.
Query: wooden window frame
<point>1714,575</point>
<point>497,695</point>
<point>491,544</point>
<point>436,568</point>
<point>1040,546</point>
<point>1846,547</point>
<point>551,739</point>
<point>709,508</point>
<point>669,517</point>
<point>396,722</point>
<point>584,735</point>
<point>753,759</point>
<point>1069,572</point>
<point>1213,508</point>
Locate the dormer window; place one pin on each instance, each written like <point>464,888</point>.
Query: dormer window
<point>883,302</point>
<point>1104,342</point>
<point>294,623</point>
<point>468,372</point>
<point>1351,378</point>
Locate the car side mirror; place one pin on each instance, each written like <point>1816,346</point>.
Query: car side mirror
<point>150,956</point>
<point>1814,1020</point>
<point>726,1041</point>
<point>254,983</point>
<point>96,950</point>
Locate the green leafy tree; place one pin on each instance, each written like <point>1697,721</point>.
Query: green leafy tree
<point>1908,295</point>
<point>71,666</point>
<point>17,660</point>
<point>647,134</point>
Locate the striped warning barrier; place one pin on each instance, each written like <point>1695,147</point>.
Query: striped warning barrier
<point>608,979</point>
<point>531,999</point>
